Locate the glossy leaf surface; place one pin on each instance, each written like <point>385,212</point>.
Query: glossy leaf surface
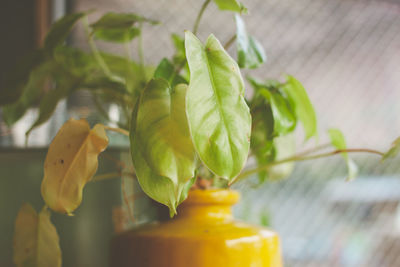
<point>250,52</point>
<point>36,242</point>
<point>70,163</point>
<point>219,118</point>
<point>339,142</point>
<point>302,105</point>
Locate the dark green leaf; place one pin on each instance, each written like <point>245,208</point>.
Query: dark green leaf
<point>231,5</point>
<point>393,151</point>
<point>167,71</point>
<point>339,142</point>
<point>74,61</point>
<point>284,117</point>
<point>117,35</point>
<point>250,51</point>
<point>60,30</point>
<point>219,118</point>
<point>12,113</point>
<point>302,105</point>
<point>17,78</point>
<point>120,21</point>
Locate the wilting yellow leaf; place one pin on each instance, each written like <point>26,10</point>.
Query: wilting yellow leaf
<point>70,163</point>
<point>36,242</point>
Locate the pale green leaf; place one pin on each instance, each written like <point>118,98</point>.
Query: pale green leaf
<point>250,52</point>
<point>36,242</point>
<point>113,20</point>
<point>71,162</point>
<point>393,151</point>
<point>302,105</point>
<point>231,5</point>
<point>285,147</point>
<point>219,118</point>
<point>161,189</point>
<point>117,35</point>
<point>339,142</point>
<point>162,131</point>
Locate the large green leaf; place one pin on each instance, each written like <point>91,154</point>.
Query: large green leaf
<point>302,105</point>
<point>167,71</point>
<point>284,117</point>
<point>60,30</point>
<point>219,118</point>
<point>162,131</point>
<point>231,5</point>
<point>339,142</point>
<point>36,242</point>
<point>159,188</point>
<point>250,52</point>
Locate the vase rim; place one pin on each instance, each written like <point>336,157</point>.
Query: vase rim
<point>212,196</point>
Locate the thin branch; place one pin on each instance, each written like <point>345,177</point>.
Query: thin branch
<point>118,130</point>
<point>197,22</point>
<point>112,175</point>
<point>230,42</point>
<point>302,157</point>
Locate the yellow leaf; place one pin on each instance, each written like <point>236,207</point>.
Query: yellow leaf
<point>70,163</point>
<point>36,243</point>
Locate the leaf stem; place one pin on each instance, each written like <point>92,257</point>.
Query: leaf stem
<point>118,130</point>
<point>303,157</point>
<point>197,22</point>
<point>111,175</point>
<point>141,53</point>
<point>230,42</point>
<point>94,49</point>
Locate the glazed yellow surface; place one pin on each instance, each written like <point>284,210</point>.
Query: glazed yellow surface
<point>203,234</point>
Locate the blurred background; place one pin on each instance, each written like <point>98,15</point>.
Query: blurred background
<point>347,55</point>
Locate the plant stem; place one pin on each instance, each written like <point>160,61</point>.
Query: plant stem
<point>141,53</point>
<point>118,130</point>
<point>230,42</point>
<point>111,176</point>
<point>94,49</point>
<point>303,157</point>
<point>197,22</point>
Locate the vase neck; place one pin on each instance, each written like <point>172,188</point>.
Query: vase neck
<point>208,205</point>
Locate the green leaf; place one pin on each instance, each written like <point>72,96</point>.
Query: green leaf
<point>117,35</point>
<point>250,52</point>
<point>302,105</point>
<point>284,117</point>
<point>284,146</point>
<point>393,151</point>
<point>161,189</point>
<point>31,93</point>
<point>36,242</point>
<point>162,131</point>
<point>60,30</point>
<point>113,20</point>
<point>167,71</point>
<point>17,78</point>
<point>339,142</point>
<point>50,100</point>
<point>219,118</point>
<point>231,5</point>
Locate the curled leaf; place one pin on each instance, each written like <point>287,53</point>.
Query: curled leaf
<point>231,5</point>
<point>70,163</point>
<point>339,142</point>
<point>36,242</point>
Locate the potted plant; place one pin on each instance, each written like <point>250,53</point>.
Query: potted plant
<point>191,129</point>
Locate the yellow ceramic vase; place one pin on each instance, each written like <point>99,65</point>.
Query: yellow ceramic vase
<point>203,234</point>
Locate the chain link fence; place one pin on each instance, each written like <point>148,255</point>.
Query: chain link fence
<point>347,55</point>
